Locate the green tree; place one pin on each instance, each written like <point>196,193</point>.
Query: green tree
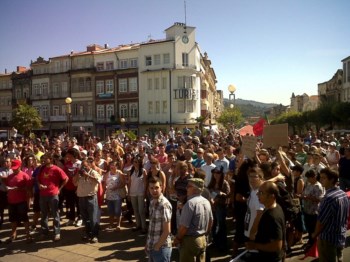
<point>25,118</point>
<point>230,116</point>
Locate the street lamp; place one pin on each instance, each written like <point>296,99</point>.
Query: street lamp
<point>68,101</point>
<point>122,122</point>
<point>232,90</point>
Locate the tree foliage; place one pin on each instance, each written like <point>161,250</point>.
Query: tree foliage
<point>229,116</point>
<point>25,119</point>
<point>327,115</point>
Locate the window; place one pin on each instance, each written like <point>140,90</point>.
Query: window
<point>133,110</point>
<point>189,106</point>
<point>133,62</point>
<point>45,111</point>
<point>184,59</point>
<point>181,106</point>
<point>37,90</point>
<point>109,110</point>
<point>81,110</point>
<point>123,109</point>
<point>63,110</point>
<point>109,86</point>
<point>157,107</point>
<point>123,64</point>
<point>164,82</point>
<point>88,84</point>
<point>123,85</point>
<point>100,87</point>
<point>89,109</point>
<point>81,84</point>
<point>109,65</point>
<point>184,82</point>
<point>156,83</point>
<point>64,88</point>
<point>165,106</point>
<point>150,107</point>
<point>148,60</point>
<point>100,112</point>
<point>100,66</point>
<point>133,84</point>
<point>18,93</point>
<point>45,89</point>
<point>55,110</point>
<point>157,59</point>
<point>149,84</point>
<point>166,58</point>
<point>55,89</point>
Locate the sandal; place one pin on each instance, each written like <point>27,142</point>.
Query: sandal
<point>117,229</point>
<point>9,240</point>
<point>29,239</point>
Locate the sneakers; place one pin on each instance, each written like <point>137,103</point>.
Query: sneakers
<point>78,223</point>
<point>69,223</point>
<point>57,237</point>
<point>94,240</point>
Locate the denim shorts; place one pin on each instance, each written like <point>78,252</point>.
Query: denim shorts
<point>114,207</point>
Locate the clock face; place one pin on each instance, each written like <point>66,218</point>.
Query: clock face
<point>185,39</point>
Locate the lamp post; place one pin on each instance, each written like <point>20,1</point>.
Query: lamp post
<point>122,122</point>
<point>68,101</point>
<point>232,90</point>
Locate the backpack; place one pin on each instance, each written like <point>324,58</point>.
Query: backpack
<point>291,207</point>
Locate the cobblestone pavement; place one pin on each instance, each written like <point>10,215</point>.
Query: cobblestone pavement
<point>124,245</point>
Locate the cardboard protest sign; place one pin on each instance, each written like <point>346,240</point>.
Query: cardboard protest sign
<point>249,145</point>
<point>275,136</point>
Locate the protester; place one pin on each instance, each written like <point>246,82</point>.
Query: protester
<point>332,219</point>
<point>270,236</point>
<point>51,180</point>
<point>18,185</point>
<point>195,223</point>
<point>86,181</point>
<point>137,192</point>
<point>158,244</point>
<point>115,193</point>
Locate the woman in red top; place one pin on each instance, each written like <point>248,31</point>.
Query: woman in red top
<point>18,185</point>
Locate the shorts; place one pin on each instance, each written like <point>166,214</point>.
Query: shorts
<point>114,207</point>
<point>18,212</point>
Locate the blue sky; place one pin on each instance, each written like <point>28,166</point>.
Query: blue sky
<point>266,48</point>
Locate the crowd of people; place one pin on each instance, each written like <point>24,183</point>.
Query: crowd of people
<point>178,189</point>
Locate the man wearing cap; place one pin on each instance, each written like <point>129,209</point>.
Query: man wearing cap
<point>18,185</point>
<point>195,223</point>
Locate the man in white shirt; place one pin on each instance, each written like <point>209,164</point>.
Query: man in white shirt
<point>208,167</point>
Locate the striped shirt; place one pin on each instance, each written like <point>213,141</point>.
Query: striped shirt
<point>159,213</point>
<point>333,214</point>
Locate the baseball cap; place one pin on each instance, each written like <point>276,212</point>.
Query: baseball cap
<point>15,164</point>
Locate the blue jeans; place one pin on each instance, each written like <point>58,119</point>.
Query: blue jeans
<point>219,229</point>
<point>89,211</point>
<point>49,203</point>
<point>162,255</point>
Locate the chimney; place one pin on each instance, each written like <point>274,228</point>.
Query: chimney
<point>106,46</point>
<point>21,69</point>
<point>5,71</point>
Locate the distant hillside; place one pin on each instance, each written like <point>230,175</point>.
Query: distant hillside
<point>250,108</point>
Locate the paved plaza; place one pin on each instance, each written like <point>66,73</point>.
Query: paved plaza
<point>124,245</point>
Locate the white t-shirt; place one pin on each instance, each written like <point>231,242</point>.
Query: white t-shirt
<point>253,206</point>
<point>207,169</point>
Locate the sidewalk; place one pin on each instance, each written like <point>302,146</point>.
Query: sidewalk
<point>124,245</point>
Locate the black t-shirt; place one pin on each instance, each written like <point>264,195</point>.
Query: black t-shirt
<point>271,227</point>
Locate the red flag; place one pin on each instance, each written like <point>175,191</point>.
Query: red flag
<point>311,252</point>
<point>258,127</point>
